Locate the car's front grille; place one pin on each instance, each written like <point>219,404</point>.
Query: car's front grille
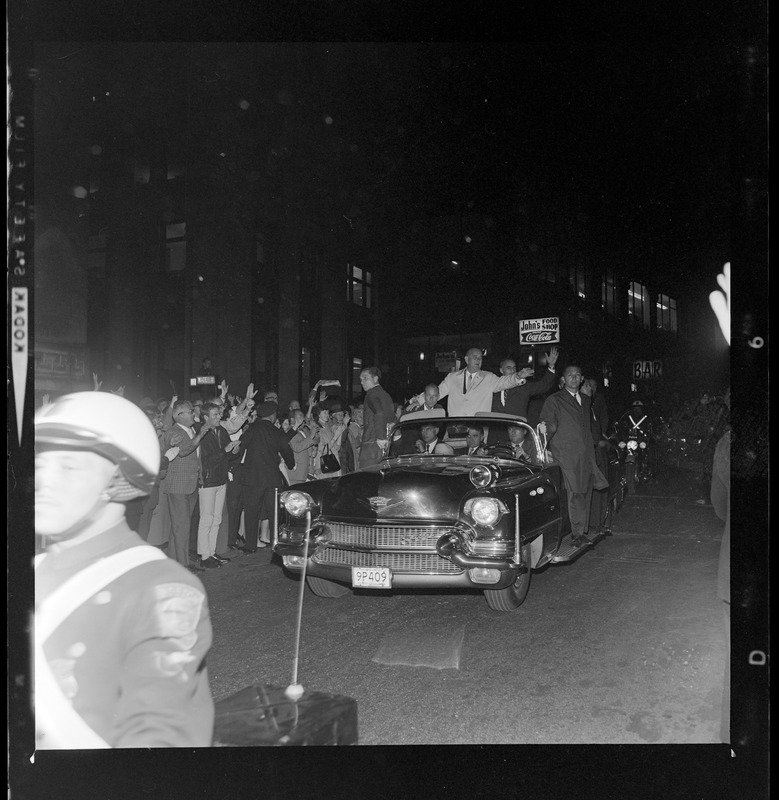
<point>417,563</point>
<point>381,537</point>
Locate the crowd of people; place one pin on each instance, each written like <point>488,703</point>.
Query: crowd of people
<point>122,628</point>
<point>169,488</point>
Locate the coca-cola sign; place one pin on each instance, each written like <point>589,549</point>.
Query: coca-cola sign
<point>545,330</point>
<point>539,336</point>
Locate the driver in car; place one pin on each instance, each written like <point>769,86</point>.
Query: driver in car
<point>524,449</point>
<point>429,442</point>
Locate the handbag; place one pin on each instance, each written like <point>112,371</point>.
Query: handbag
<point>328,462</point>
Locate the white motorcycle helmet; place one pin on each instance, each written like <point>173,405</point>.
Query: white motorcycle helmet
<point>109,425</point>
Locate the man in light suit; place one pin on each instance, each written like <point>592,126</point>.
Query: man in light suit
<point>515,401</point>
<point>470,390</point>
<point>565,418</point>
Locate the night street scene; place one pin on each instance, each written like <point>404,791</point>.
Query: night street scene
<point>387,269</point>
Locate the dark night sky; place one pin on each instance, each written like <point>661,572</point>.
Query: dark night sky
<point>641,134</point>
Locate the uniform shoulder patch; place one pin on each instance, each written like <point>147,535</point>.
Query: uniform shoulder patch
<point>177,610</point>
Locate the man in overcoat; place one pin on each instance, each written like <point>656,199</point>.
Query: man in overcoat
<point>266,446</point>
<point>565,418</point>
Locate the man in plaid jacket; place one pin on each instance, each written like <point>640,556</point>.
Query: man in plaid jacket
<point>179,487</point>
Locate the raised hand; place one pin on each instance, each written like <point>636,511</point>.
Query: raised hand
<point>552,356</point>
<point>96,382</point>
<point>720,302</point>
<point>119,391</point>
<point>525,372</point>
<point>223,389</point>
<point>250,392</point>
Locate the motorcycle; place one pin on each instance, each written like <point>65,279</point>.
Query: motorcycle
<point>636,444</point>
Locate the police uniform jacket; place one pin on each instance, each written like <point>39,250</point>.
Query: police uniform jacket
<point>131,659</point>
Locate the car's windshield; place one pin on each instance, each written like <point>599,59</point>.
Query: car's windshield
<point>462,436</point>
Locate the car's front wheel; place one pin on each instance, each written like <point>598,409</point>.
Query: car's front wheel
<point>512,597</point>
<point>322,587</point>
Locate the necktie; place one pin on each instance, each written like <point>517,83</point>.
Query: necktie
<point>503,397</point>
<point>430,448</point>
<point>578,398</point>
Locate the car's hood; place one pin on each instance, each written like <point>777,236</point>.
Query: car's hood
<point>421,489</point>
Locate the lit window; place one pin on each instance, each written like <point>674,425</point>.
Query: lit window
<point>638,304</point>
<point>176,246</point>
<point>577,280</point>
<point>356,370</point>
<point>358,288</point>
<point>666,313</point>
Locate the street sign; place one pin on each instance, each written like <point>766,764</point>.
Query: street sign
<point>643,370</point>
<point>446,362</point>
<point>545,330</point>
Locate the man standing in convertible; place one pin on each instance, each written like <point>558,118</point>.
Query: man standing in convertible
<point>470,390</point>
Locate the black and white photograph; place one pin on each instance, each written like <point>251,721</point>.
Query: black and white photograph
<point>391,394</point>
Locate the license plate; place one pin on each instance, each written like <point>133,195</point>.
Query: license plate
<point>372,577</point>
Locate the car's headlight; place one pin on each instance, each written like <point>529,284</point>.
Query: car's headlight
<point>632,445</point>
<point>484,510</point>
<point>622,445</point>
<point>296,503</point>
<point>642,445</point>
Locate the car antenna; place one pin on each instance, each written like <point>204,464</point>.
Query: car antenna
<point>295,690</point>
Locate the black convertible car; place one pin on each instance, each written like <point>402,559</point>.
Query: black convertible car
<point>444,519</point>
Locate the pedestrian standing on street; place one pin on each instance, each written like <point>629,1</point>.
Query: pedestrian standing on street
<point>354,431</point>
<point>470,389</point>
<point>265,446</point>
<point>599,423</point>
<point>180,485</point>
<point>121,631</point>
<point>378,414</point>
<point>215,450</point>
<point>565,419</point>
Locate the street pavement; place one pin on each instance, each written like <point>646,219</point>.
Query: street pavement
<point>623,646</point>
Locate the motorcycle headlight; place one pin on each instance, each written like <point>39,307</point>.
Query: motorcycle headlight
<point>296,503</point>
<point>484,510</point>
<point>642,445</point>
<point>632,445</point>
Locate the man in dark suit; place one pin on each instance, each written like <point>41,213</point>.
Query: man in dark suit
<point>265,446</point>
<point>515,401</point>
<point>565,418</point>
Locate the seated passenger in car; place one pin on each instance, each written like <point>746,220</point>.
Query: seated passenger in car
<point>524,448</point>
<point>430,441</point>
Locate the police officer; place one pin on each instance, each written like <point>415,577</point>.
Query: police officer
<point>121,631</point>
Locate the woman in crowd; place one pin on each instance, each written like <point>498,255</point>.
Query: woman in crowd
<point>330,436</point>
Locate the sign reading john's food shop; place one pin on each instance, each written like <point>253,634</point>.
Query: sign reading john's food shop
<point>539,331</point>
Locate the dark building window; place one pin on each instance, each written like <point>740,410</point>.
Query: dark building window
<point>666,313</point>
<point>608,296</point>
<point>176,246</point>
<point>638,303</point>
<point>359,287</point>
<point>96,251</point>
<point>141,172</point>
